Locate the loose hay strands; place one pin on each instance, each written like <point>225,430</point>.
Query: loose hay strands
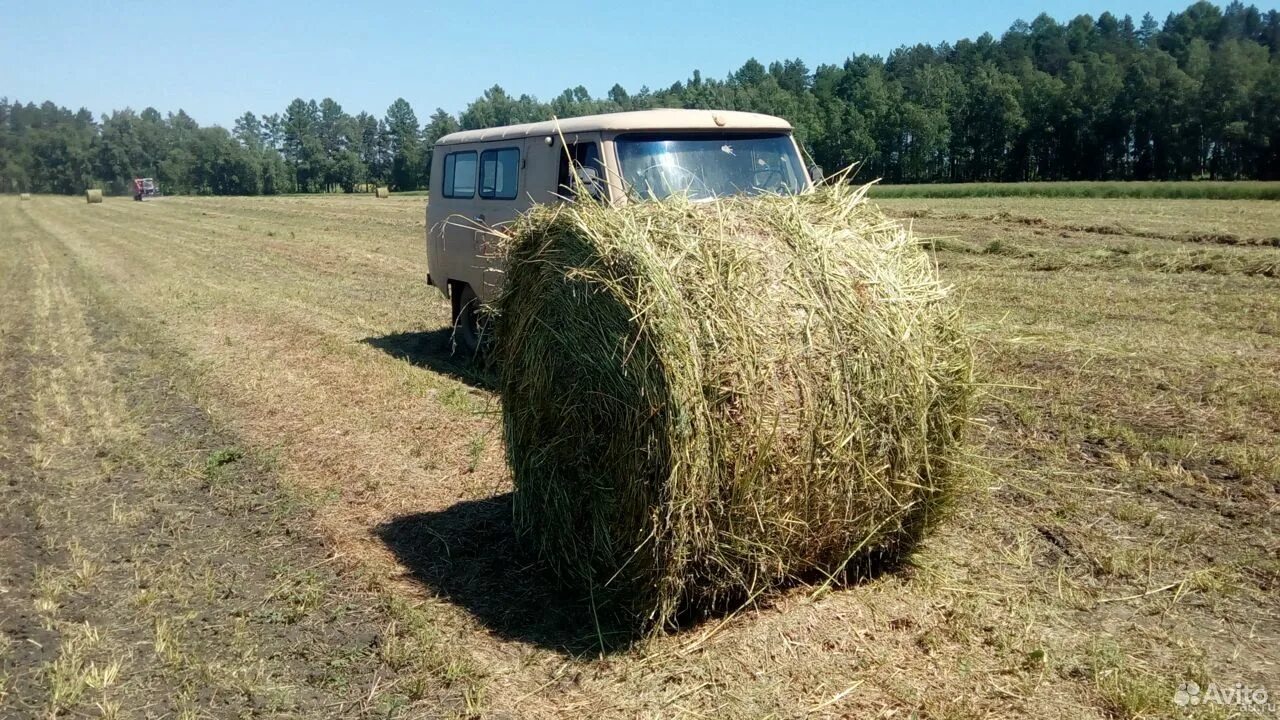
<point>703,401</point>
<point>383,192</point>
<point>93,195</point>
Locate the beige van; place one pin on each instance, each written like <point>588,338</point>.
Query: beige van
<point>484,178</point>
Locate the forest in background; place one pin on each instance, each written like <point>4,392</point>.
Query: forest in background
<point>1092,99</point>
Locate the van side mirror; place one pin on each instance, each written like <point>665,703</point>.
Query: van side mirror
<point>590,179</point>
<point>815,174</point>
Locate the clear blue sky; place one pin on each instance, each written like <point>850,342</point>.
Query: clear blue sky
<point>218,59</point>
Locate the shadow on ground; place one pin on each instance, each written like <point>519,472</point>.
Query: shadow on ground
<point>468,555</point>
<point>433,350</point>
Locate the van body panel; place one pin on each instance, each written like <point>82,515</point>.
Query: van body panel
<point>459,247</point>
<point>661,119</point>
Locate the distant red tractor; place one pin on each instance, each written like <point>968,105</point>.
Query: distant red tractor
<point>144,188</point>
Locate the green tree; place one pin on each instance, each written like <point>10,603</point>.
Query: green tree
<point>1198,95</point>
<point>248,130</point>
<point>300,143</point>
<point>403,145</point>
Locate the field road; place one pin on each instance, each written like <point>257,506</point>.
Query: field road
<point>241,475</point>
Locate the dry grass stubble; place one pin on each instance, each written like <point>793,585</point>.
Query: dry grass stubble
<point>1124,539</point>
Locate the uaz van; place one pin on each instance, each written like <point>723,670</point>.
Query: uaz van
<point>483,178</point>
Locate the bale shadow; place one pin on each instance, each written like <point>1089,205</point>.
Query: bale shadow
<point>433,350</point>
<point>468,554</point>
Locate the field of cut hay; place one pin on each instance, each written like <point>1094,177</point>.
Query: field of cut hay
<point>244,476</point>
<point>1149,190</point>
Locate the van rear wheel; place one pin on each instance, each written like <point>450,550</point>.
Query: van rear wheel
<point>466,319</point>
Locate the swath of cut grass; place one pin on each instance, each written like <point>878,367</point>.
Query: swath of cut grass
<point>1217,263</point>
<point>704,401</point>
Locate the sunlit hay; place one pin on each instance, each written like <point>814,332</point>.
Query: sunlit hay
<point>704,401</point>
<point>383,192</point>
<point>93,195</point>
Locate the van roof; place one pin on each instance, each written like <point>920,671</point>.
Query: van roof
<point>662,119</point>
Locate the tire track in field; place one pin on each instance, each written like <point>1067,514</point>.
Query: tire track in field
<point>184,266</point>
<point>321,242</point>
<point>25,642</point>
<point>319,293</point>
<point>280,339</point>
<point>384,438</point>
<point>397,218</point>
<point>155,595</point>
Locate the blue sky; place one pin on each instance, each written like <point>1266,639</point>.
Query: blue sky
<point>216,60</point>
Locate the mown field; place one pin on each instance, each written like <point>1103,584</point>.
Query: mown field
<point>241,476</point>
<point>1177,190</point>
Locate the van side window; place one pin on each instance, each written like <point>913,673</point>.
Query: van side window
<point>583,154</point>
<point>499,173</point>
<point>459,175</point>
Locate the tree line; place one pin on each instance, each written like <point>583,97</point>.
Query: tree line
<point>1092,99</point>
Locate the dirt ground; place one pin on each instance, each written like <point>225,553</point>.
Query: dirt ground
<point>241,476</point>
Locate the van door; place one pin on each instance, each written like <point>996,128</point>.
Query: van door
<point>500,198</point>
<point>548,179</point>
<point>452,210</point>
<point>577,157</point>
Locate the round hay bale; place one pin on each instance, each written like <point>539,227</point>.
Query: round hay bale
<point>383,192</point>
<point>24,196</point>
<point>705,401</point>
<point>93,195</point>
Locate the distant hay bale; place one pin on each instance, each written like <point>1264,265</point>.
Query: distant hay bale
<point>383,192</point>
<point>704,401</point>
<point>24,196</point>
<point>93,195</point>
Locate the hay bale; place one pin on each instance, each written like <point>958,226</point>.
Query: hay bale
<point>705,401</point>
<point>24,196</point>
<point>93,195</point>
<point>383,192</point>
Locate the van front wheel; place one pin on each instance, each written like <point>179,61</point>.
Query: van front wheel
<point>466,319</point>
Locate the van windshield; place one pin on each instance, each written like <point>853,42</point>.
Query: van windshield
<point>703,166</point>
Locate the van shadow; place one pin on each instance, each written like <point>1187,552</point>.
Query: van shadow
<point>468,554</point>
<point>433,350</point>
